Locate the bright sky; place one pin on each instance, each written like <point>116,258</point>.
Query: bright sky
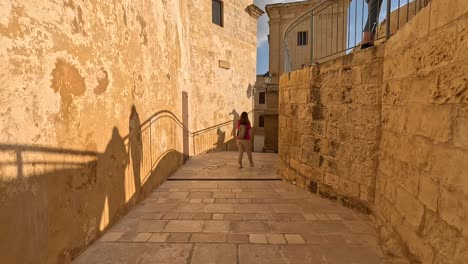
<point>356,6</point>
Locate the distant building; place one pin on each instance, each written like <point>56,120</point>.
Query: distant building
<point>305,39</point>
<point>265,116</point>
<point>297,44</point>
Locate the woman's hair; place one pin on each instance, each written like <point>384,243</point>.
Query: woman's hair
<point>244,119</point>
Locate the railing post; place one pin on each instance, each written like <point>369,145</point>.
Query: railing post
<point>389,14</point>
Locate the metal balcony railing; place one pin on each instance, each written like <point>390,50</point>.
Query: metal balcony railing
<point>336,27</point>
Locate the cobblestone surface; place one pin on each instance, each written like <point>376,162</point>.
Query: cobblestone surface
<point>262,221</point>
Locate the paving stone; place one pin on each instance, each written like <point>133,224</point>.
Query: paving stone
<point>165,253</point>
<point>185,226</point>
<point>349,254</point>
<point>113,253</point>
<point>190,208</point>
<point>258,238</point>
<point>301,254</point>
<point>158,237</point>
<point>152,216</point>
<point>290,217</point>
<point>360,226</point>
<point>215,226</point>
<point>291,226</point>
<point>334,217</point>
<point>219,208</point>
<point>224,195</point>
<point>322,217</point>
<point>249,227</point>
<point>171,216</point>
<point>194,216</point>
<point>178,237</point>
<point>276,239</point>
<point>177,195</point>
<point>286,208</point>
<point>238,238</point>
<point>111,236</point>
<point>329,227</point>
<point>150,226</point>
<point>200,195</point>
<point>142,237</point>
<point>218,216</point>
<point>211,232</point>
<point>310,217</point>
<point>294,239</point>
<point>266,216</point>
<point>254,208</point>
<point>128,237</point>
<point>361,239</point>
<point>232,217</point>
<point>324,239</point>
<point>208,238</point>
<point>260,254</point>
<point>214,253</point>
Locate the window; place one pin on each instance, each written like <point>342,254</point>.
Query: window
<point>261,98</point>
<point>302,38</point>
<point>261,121</point>
<point>217,12</point>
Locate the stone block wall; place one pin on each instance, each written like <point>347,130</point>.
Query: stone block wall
<point>329,123</point>
<point>94,99</point>
<point>416,104</point>
<point>422,181</point>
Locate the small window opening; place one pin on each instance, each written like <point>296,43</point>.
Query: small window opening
<point>302,38</point>
<point>217,12</point>
<point>261,98</point>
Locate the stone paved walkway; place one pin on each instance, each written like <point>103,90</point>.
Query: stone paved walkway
<point>236,221</point>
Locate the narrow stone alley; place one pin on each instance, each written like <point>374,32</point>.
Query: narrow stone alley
<point>210,211</point>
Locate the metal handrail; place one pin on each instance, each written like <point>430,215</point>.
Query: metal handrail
<point>335,27</point>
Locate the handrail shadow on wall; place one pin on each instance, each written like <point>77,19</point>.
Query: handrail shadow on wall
<point>63,199</point>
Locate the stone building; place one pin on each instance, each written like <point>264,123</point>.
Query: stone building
<point>265,117</point>
<point>101,101</point>
<point>290,33</point>
<point>297,44</point>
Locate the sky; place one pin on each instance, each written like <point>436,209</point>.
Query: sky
<point>358,7</point>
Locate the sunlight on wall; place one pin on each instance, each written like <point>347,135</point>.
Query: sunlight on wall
<point>105,215</point>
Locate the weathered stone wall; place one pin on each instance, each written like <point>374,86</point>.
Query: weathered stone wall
<point>422,181</point>
<point>329,123</point>
<point>94,96</point>
<point>415,108</point>
<point>209,43</point>
<point>228,88</point>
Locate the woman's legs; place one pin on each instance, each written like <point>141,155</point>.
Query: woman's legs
<point>372,21</point>
<point>248,149</point>
<point>240,147</point>
<point>244,145</point>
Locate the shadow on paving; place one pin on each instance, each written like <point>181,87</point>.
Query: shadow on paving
<point>236,221</point>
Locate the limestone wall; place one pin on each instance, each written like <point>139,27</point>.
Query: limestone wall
<point>422,181</point>
<point>329,121</point>
<point>93,100</point>
<point>393,117</point>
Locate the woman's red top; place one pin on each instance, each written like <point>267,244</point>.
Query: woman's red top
<point>247,130</point>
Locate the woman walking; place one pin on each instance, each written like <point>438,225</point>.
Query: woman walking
<point>243,138</point>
